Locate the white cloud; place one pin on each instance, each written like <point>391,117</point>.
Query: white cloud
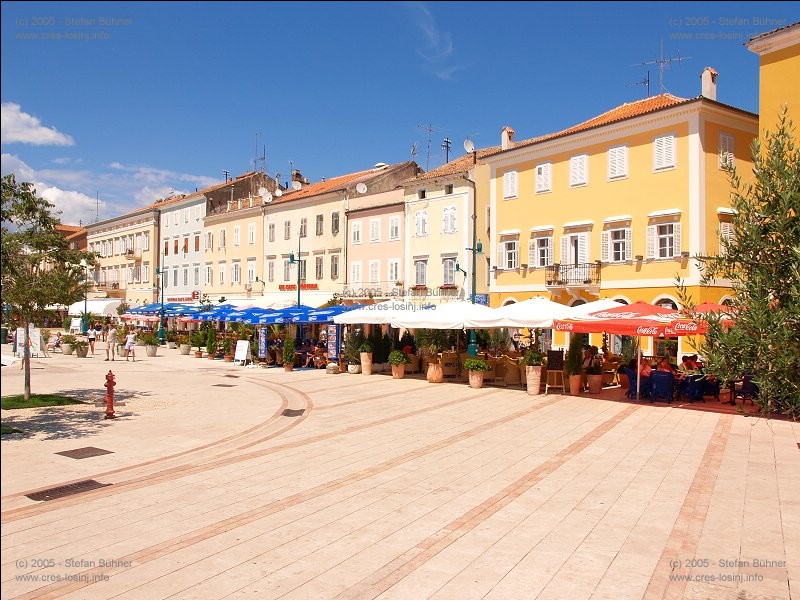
<point>439,45</point>
<point>20,127</point>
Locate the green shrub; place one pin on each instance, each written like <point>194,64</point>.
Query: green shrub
<point>533,357</point>
<point>398,357</point>
<point>573,364</point>
<point>288,351</point>
<point>476,364</point>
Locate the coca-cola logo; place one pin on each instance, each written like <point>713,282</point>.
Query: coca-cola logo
<point>641,330</point>
<point>690,326</point>
<point>564,326</point>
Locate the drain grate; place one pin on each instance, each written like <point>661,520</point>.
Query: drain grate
<point>293,412</point>
<point>67,490</point>
<point>223,385</point>
<point>87,452</point>
<point>232,376</point>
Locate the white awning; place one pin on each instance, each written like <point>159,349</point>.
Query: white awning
<point>106,307</point>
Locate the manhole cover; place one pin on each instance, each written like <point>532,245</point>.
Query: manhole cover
<point>87,452</point>
<point>67,490</point>
<point>223,385</point>
<point>232,376</point>
<point>293,412</point>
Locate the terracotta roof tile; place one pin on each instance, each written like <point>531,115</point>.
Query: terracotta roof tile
<point>334,183</point>
<point>456,166</point>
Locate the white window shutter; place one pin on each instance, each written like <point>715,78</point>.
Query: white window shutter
<point>501,250</point>
<point>583,248</point>
<point>725,235</point>
<point>628,243</point>
<point>532,252</point>
<point>651,241</point>
<point>549,252</point>
<point>604,241</point>
<point>725,150</point>
<point>564,249</point>
<point>510,184</point>
<point>676,239</point>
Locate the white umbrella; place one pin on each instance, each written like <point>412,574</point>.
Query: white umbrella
<point>531,313</point>
<point>376,314</point>
<point>450,315</point>
<point>590,307</point>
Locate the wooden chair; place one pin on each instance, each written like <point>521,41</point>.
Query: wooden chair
<point>491,374</point>
<point>414,364</point>
<point>511,375</point>
<point>449,364</point>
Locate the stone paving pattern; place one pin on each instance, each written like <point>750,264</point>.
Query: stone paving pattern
<point>391,489</point>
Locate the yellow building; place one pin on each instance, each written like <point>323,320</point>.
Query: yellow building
<point>617,206</point>
<point>779,74</point>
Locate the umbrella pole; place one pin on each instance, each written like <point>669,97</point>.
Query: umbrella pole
<point>639,370</point>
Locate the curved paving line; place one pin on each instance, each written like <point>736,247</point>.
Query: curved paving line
<point>167,547</point>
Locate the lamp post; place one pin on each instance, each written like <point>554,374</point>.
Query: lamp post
<point>296,260</point>
<point>160,273</point>
<point>85,321</point>
<point>477,247</point>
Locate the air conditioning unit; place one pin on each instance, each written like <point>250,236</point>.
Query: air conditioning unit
<point>248,287</point>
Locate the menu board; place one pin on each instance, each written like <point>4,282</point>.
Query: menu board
<point>262,342</point>
<point>333,342</point>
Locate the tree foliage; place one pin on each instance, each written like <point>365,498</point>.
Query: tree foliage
<point>37,267</point>
<point>762,262</point>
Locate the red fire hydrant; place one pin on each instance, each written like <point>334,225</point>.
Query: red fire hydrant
<point>110,383</point>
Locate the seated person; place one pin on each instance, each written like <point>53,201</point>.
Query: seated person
<point>320,359</point>
<point>56,344</point>
<point>306,353</point>
<point>645,368</point>
<point>665,365</point>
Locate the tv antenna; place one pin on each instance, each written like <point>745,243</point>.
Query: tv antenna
<point>227,174</point>
<point>97,206</point>
<point>645,82</point>
<point>414,151</point>
<point>663,64</point>
<point>429,129</point>
<point>262,158</point>
<point>446,144</point>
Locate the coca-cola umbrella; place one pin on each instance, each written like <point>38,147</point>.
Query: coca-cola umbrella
<point>639,318</point>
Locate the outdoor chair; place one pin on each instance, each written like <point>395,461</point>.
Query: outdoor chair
<point>662,385</point>
<point>449,364</point>
<point>413,365</point>
<point>747,391</point>
<point>632,377</point>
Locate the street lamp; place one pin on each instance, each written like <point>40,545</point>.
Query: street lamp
<point>160,272</point>
<point>85,322</point>
<point>477,247</point>
<point>296,260</point>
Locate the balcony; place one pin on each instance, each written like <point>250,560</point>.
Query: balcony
<point>582,276</point>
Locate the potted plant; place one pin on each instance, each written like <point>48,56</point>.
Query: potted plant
<point>476,368</point>
<point>432,342</point>
<point>184,343</point>
<point>288,353</point>
<point>365,352</point>
<point>351,351</point>
<point>172,339</point>
<point>44,339</point>
<point>68,343</point>
<point>573,364</point>
<point>150,341</point>
<point>198,340</point>
<point>227,348</point>
<point>81,347</point>
<point>398,359</point>
<point>533,361</point>
<point>211,343</point>
<point>594,377</point>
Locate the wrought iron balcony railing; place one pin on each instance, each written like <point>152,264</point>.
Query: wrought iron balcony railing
<point>576,275</point>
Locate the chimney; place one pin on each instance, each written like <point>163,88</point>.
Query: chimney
<point>507,138</point>
<point>709,83</point>
<point>297,176</point>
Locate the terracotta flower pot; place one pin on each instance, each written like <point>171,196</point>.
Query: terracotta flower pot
<point>575,385</point>
<point>533,379</point>
<point>366,363</point>
<point>435,373</point>
<point>476,379</point>
<point>398,371</point>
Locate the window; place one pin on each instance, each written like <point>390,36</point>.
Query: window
<point>510,185</point>
<point>420,272</point>
<point>166,221</point>
<point>145,274</point>
<point>374,230</point>
<point>318,267</point>
<point>334,266</point>
<point>615,245</point>
<point>448,188</point>
<point>540,251</point>
<point>335,223</point>
<point>236,273</point>
<point>544,178</point>
<point>236,236</point>
<point>303,227</point>
<point>422,194</point>
<point>166,247</point>
<point>146,241</point>
<point>287,270</point>
<point>175,276</point>
<point>394,228</point>
<point>287,230</point>
<point>222,274</point>
<point>355,274</point>
<point>508,253</point>
<point>726,157</point>
<point>175,218</point>
<point>320,224</point>
<point>175,245</point>
<point>271,232</point>
<point>209,241</point>
<point>664,240</point>
<point>185,276</point>
<point>251,271</point>
<point>374,272</point>
<point>579,170</point>
<point>449,271</point>
<point>726,235</point>
<point>251,233</point>
<point>393,268</point>
<point>575,249</point>
<point>221,240</point>
<point>302,266</point>
<point>197,275</point>
<point>186,214</point>
<point>618,162</point>
<point>198,212</point>
<point>271,270</point>
<point>421,223</point>
<point>356,232</point>
<point>209,275</point>
<point>197,242</point>
<point>449,219</point>
<point>664,152</point>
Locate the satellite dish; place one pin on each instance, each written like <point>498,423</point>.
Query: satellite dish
<point>279,192</point>
<point>262,191</point>
<point>469,146</point>
<point>361,188</point>
<point>267,198</point>
<point>296,185</point>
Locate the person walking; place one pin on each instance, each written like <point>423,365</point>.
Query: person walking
<point>111,341</point>
<point>130,344</point>
<point>91,333</point>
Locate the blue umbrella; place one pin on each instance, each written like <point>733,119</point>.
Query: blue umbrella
<point>216,313</point>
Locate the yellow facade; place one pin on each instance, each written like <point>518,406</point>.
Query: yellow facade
<point>581,189</point>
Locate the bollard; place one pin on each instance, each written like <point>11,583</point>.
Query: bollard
<point>109,384</point>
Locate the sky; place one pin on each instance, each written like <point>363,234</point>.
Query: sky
<point>110,106</point>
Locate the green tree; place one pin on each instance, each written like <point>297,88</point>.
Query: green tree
<point>762,261</point>
<point>37,266</point>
